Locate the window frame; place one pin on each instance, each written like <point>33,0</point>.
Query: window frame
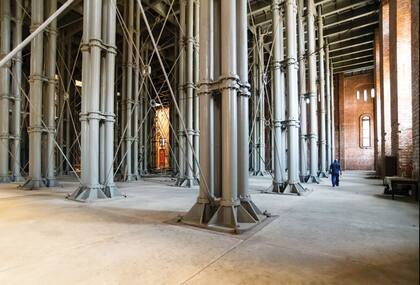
<point>361,131</point>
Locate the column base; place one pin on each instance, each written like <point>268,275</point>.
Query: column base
<point>111,191</point>
<point>87,194</point>
<point>32,184</point>
<point>296,188</point>
<point>5,179</point>
<point>323,174</point>
<point>187,182</point>
<point>252,209</point>
<point>129,178</point>
<point>260,173</point>
<point>200,214</point>
<point>312,179</point>
<point>231,218</point>
<point>17,178</point>
<point>277,187</point>
<point>51,182</point>
<point>303,178</point>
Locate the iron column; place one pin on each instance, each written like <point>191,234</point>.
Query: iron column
<point>278,94</point>
<point>136,97</point>
<point>293,184</point>
<point>129,93</point>
<point>110,187</point>
<point>243,111</point>
<point>189,85</point>
<point>50,71</point>
<point>328,96</point>
<point>313,121</point>
<point>196,98</point>
<point>201,212</point>
<point>35,95</point>
<point>261,107</point>
<point>91,189</point>
<point>181,94</point>
<point>17,85</point>
<point>4,92</point>
<point>322,141</point>
<point>302,92</point>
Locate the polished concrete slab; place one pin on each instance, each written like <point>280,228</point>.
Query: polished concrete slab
<point>350,235</point>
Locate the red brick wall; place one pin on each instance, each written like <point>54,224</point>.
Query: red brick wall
<point>349,112</point>
<point>415,84</point>
<point>401,100</point>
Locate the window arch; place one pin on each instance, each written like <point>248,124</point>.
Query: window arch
<point>365,131</point>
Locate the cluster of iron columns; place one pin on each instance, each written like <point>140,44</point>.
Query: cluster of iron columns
<point>188,100</point>
<point>97,115</point>
<point>224,201</point>
<point>97,109</point>
<point>315,144</point>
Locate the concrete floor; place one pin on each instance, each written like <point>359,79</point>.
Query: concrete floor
<point>350,235</point>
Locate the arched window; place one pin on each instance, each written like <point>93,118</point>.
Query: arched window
<point>365,140</point>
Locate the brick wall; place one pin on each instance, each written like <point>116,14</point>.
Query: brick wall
<point>415,84</point>
<point>401,99</point>
<point>349,111</point>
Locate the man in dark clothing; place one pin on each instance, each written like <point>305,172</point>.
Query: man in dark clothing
<point>335,171</point>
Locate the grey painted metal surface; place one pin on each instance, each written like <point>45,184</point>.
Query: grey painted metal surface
<point>92,115</point>
<point>4,92</point>
<point>17,85</point>
<point>49,110</point>
<point>136,86</point>
<point>226,213</point>
<point>278,95</point>
<point>34,180</point>
<point>328,104</point>
<point>260,120</point>
<point>128,123</point>
<point>322,137</point>
<point>303,144</point>
<point>196,97</point>
<point>181,94</point>
<point>292,122</point>
<point>189,86</point>
<point>243,110</point>
<point>312,94</point>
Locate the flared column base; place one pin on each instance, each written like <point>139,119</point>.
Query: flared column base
<point>296,188</point>
<point>17,178</point>
<point>225,218</point>
<point>252,209</point>
<point>260,173</point>
<point>87,194</point>
<point>5,179</point>
<point>51,182</point>
<point>312,179</point>
<point>276,187</point>
<point>323,174</point>
<point>303,178</point>
<point>187,182</point>
<point>33,184</point>
<point>112,192</point>
<point>200,214</point>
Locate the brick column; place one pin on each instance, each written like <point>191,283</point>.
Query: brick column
<point>385,81</point>
<point>415,83</point>
<point>401,100</point>
<point>377,107</point>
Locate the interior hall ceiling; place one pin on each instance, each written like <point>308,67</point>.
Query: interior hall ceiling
<point>349,28</point>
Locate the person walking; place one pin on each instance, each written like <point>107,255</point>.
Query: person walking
<point>335,171</point>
